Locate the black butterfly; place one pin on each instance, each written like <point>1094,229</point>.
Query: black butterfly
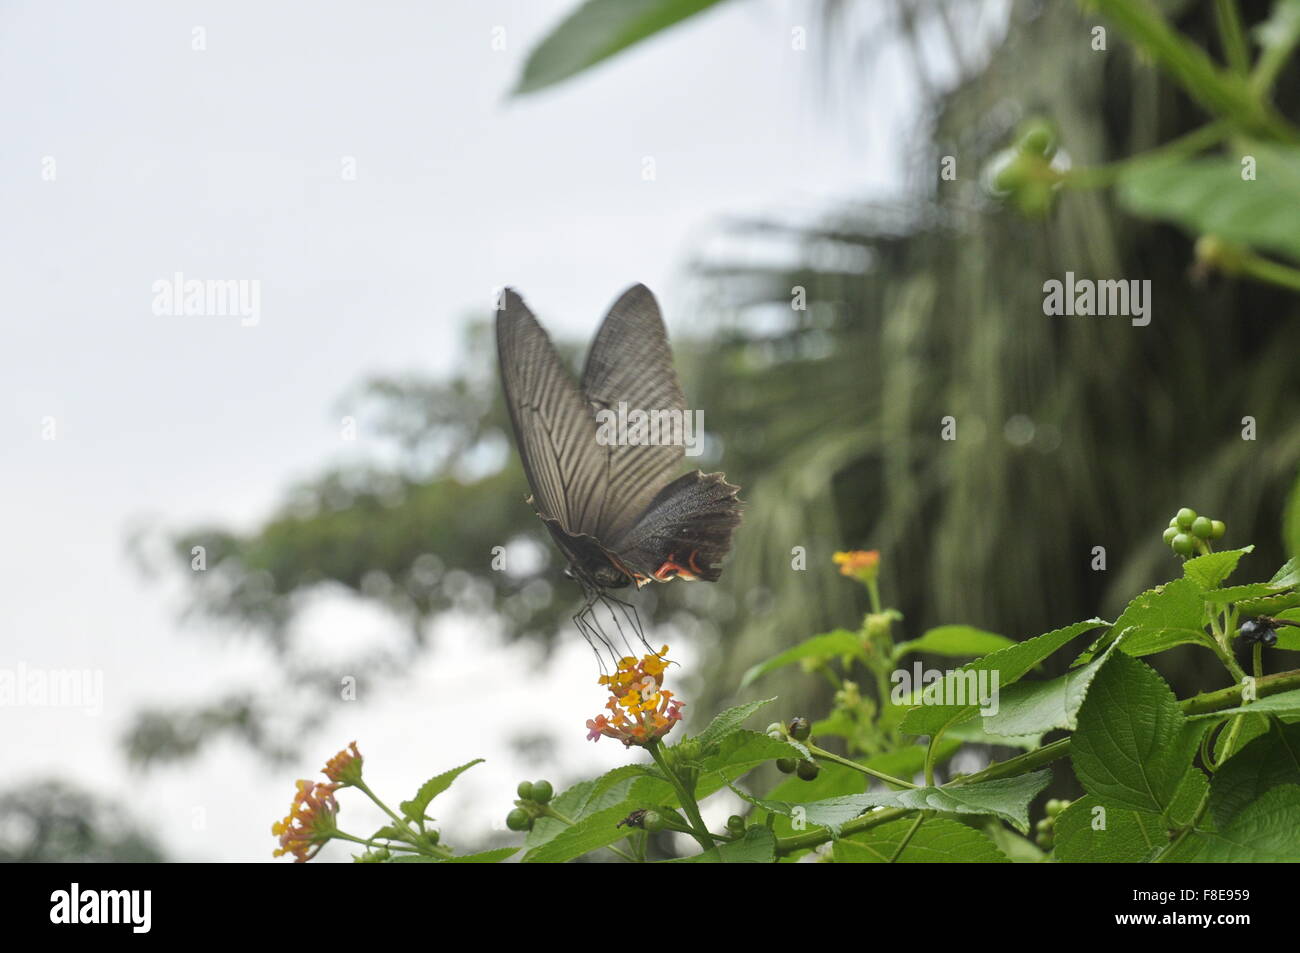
<point>616,512</point>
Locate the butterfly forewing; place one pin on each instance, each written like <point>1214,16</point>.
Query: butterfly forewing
<point>631,364</point>
<point>555,429</point>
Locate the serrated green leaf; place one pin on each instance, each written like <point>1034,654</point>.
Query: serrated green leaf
<point>483,857</point>
<point>1210,570</point>
<point>823,648</point>
<point>1029,708</point>
<point>954,640</point>
<point>1265,831</point>
<point>1133,744</point>
<point>415,808</point>
<point>1089,832</point>
<point>597,830</point>
<point>1010,663</point>
<point>728,722</point>
<point>937,841</point>
<point>1269,761</point>
<point>1160,618</point>
<point>1007,798</point>
<point>584,799</point>
<point>596,31</point>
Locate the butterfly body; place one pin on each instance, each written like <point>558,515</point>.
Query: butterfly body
<point>616,510</point>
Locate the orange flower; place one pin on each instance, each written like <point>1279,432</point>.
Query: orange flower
<point>345,767</point>
<point>641,710</point>
<point>309,823</point>
<point>863,565</point>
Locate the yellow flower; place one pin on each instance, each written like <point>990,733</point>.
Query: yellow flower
<point>309,823</point>
<point>863,565</point>
<point>642,710</point>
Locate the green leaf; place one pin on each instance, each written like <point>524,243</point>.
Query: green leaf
<point>937,841</point>
<point>1160,618</point>
<point>1187,799</point>
<point>593,832</point>
<point>1133,745</point>
<point>584,799</point>
<point>728,722</point>
<point>1264,831</point>
<point>483,857</point>
<point>1288,577</point>
<point>414,809</point>
<point>738,754</point>
<point>1029,708</point>
<point>821,648</point>
<point>958,640</point>
<point>1210,570</point>
<point>1268,761</point>
<point>1090,832</point>
<point>1007,798</point>
<point>596,31</point>
<point>758,846</point>
<point>1208,196</point>
<point>1010,663</point>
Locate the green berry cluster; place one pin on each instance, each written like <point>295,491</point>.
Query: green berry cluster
<point>800,729</point>
<point>1189,534</point>
<point>1047,826</point>
<point>533,798</point>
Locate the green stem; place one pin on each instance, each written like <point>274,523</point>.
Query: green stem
<point>401,824</point>
<point>686,798</point>
<point>1272,59</point>
<point>902,845</point>
<point>1263,269</point>
<point>810,839</point>
<point>856,766</point>
<point>1188,144</point>
<point>1235,50</point>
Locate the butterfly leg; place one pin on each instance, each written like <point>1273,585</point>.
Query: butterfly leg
<point>588,625</point>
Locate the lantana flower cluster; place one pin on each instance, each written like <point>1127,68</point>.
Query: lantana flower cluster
<point>641,710</point>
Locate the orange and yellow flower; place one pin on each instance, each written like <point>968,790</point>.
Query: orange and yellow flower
<point>641,710</point>
<point>345,767</point>
<point>859,564</point>
<point>309,823</point>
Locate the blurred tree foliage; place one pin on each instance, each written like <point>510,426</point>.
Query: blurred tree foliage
<point>1072,433</point>
<point>51,822</point>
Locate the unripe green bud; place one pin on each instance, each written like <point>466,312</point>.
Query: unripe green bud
<point>1183,544</point>
<point>808,770</point>
<point>542,791</point>
<point>1186,517</point>
<point>1217,529</point>
<point>1202,527</point>
<point>1170,533</point>
<point>525,790</point>
<point>519,820</point>
<point>785,765</point>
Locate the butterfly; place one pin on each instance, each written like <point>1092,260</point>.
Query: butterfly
<point>614,507</point>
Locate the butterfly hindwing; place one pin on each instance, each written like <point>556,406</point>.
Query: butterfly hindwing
<point>685,531</point>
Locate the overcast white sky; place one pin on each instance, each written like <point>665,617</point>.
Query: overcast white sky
<point>226,163</point>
